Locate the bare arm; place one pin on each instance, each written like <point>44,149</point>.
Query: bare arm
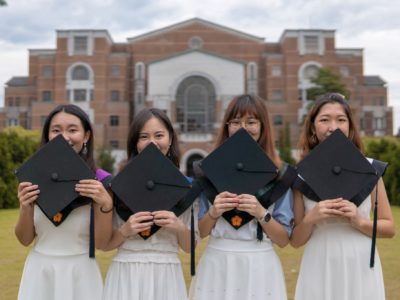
<point>25,228</point>
<point>385,223</point>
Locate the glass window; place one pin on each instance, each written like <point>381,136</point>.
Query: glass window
<point>114,144</point>
<point>278,120</point>
<point>277,95</point>
<point>310,72</point>
<point>46,96</point>
<point>115,96</point>
<point>311,44</point>
<point>47,71</point>
<point>344,70</point>
<point>80,95</point>
<point>10,101</point>
<point>276,71</point>
<point>114,121</point>
<point>80,44</point>
<point>80,73</point>
<point>115,71</point>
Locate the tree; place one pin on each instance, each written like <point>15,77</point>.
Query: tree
<point>387,149</point>
<point>3,3</point>
<point>16,145</point>
<point>326,81</point>
<point>284,145</point>
<point>105,160</point>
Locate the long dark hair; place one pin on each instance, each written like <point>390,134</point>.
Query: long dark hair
<point>308,140</point>
<point>87,127</point>
<point>137,125</point>
<point>255,106</point>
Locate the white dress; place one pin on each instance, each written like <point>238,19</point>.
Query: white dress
<point>236,266</point>
<point>335,262</point>
<point>148,269</point>
<point>59,266</point>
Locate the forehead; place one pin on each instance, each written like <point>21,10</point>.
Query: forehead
<point>154,124</point>
<point>331,109</point>
<point>62,118</point>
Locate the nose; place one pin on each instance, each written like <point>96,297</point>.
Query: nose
<point>65,136</point>
<point>333,126</point>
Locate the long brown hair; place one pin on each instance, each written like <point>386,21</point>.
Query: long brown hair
<point>254,106</point>
<point>140,120</point>
<point>308,140</point>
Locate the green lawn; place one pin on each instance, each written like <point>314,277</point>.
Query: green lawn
<point>12,257</point>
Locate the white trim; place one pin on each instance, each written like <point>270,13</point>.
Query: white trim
<point>187,155</point>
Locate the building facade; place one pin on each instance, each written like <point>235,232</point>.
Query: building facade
<point>191,70</point>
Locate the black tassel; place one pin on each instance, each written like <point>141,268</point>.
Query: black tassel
<point>91,233</point>
<point>192,245</point>
<point>374,229</point>
<point>259,232</point>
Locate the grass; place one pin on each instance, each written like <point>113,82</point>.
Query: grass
<point>12,258</point>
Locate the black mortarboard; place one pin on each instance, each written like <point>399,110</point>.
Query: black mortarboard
<point>239,166</point>
<point>56,168</point>
<point>336,168</point>
<point>150,182</point>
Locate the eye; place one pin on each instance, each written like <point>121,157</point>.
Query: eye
<point>142,136</point>
<point>234,122</point>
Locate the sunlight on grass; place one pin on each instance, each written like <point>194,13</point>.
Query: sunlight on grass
<point>13,256</point>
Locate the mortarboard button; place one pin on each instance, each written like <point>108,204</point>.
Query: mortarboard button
<point>336,170</point>
<point>239,166</point>
<point>150,185</point>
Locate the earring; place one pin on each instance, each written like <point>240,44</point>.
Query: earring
<point>84,149</point>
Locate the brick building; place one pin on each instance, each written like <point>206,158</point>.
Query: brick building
<point>191,70</point>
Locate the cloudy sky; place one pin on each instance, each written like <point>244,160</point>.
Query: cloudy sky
<point>368,24</point>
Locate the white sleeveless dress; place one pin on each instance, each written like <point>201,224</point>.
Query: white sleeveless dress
<point>148,269</point>
<point>59,266</point>
<point>335,263</point>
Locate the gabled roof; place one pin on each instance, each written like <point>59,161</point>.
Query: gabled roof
<point>18,81</point>
<point>374,80</point>
<point>199,51</point>
<point>198,21</point>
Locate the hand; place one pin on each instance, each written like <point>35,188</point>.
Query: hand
<point>136,223</point>
<point>28,193</point>
<point>251,205</point>
<point>325,209</point>
<point>168,219</point>
<point>94,189</point>
<point>223,202</point>
<point>349,210</point>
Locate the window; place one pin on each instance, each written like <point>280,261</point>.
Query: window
<point>311,44</point>
<point>276,71</point>
<point>378,101</point>
<point>311,72</point>
<point>115,71</point>
<point>139,71</point>
<point>115,96</point>
<point>195,105</point>
<point>43,120</point>
<point>252,71</point>
<point>46,96</point>
<point>17,101</point>
<point>278,120</point>
<point>114,121</point>
<point>47,71</point>
<point>79,95</point>
<point>12,122</point>
<point>32,99</point>
<point>344,70</point>
<point>114,144</point>
<point>139,97</point>
<point>10,101</point>
<point>277,95</point>
<point>379,123</point>
<point>80,73</point>
<point>195,42</point>
<point>80,44</point>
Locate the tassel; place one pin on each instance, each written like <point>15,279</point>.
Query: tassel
<point>192,245</point>
<point>374,230</point>
<point>259,232</point>
<point>91,233</point>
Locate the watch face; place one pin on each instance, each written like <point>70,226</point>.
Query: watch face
<point>267,217</point>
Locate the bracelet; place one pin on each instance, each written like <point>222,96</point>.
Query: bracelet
<point>212,218</point>
<point>106,211</point>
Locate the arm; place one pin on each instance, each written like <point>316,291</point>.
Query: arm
<point>25,228</point>
<point>223,202</point>
<point>385,223</point>
<point>304,223</point>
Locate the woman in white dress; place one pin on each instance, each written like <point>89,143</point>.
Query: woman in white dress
<point>146,269</point>
<point>236,264</point>
<point>336,233</point>
<point>59,266</point>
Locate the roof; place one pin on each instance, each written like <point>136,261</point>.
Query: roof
<point>374,80</point>
<point>18,81</point>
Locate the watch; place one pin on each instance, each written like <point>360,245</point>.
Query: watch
<point>265,218</point>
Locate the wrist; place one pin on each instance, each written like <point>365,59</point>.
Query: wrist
<point>265,217</point>
<point>211,214</point>
<point>121,232</point>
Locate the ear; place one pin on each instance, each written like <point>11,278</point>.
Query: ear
<point>87,136</point>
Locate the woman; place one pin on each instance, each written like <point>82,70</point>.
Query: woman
<point>147,268</point>
<point>335,231</point>
<point>59,266</point>
<point>235,264</point>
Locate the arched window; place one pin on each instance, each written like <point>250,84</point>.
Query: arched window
<point>80,73</point>
<point>310,72</point>
<point>195,105</point>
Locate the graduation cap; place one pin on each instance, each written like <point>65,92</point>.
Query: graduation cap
<point>56,168</point>
<point>239,166</point>
<point>150,182</point>
<point>336,168</point>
